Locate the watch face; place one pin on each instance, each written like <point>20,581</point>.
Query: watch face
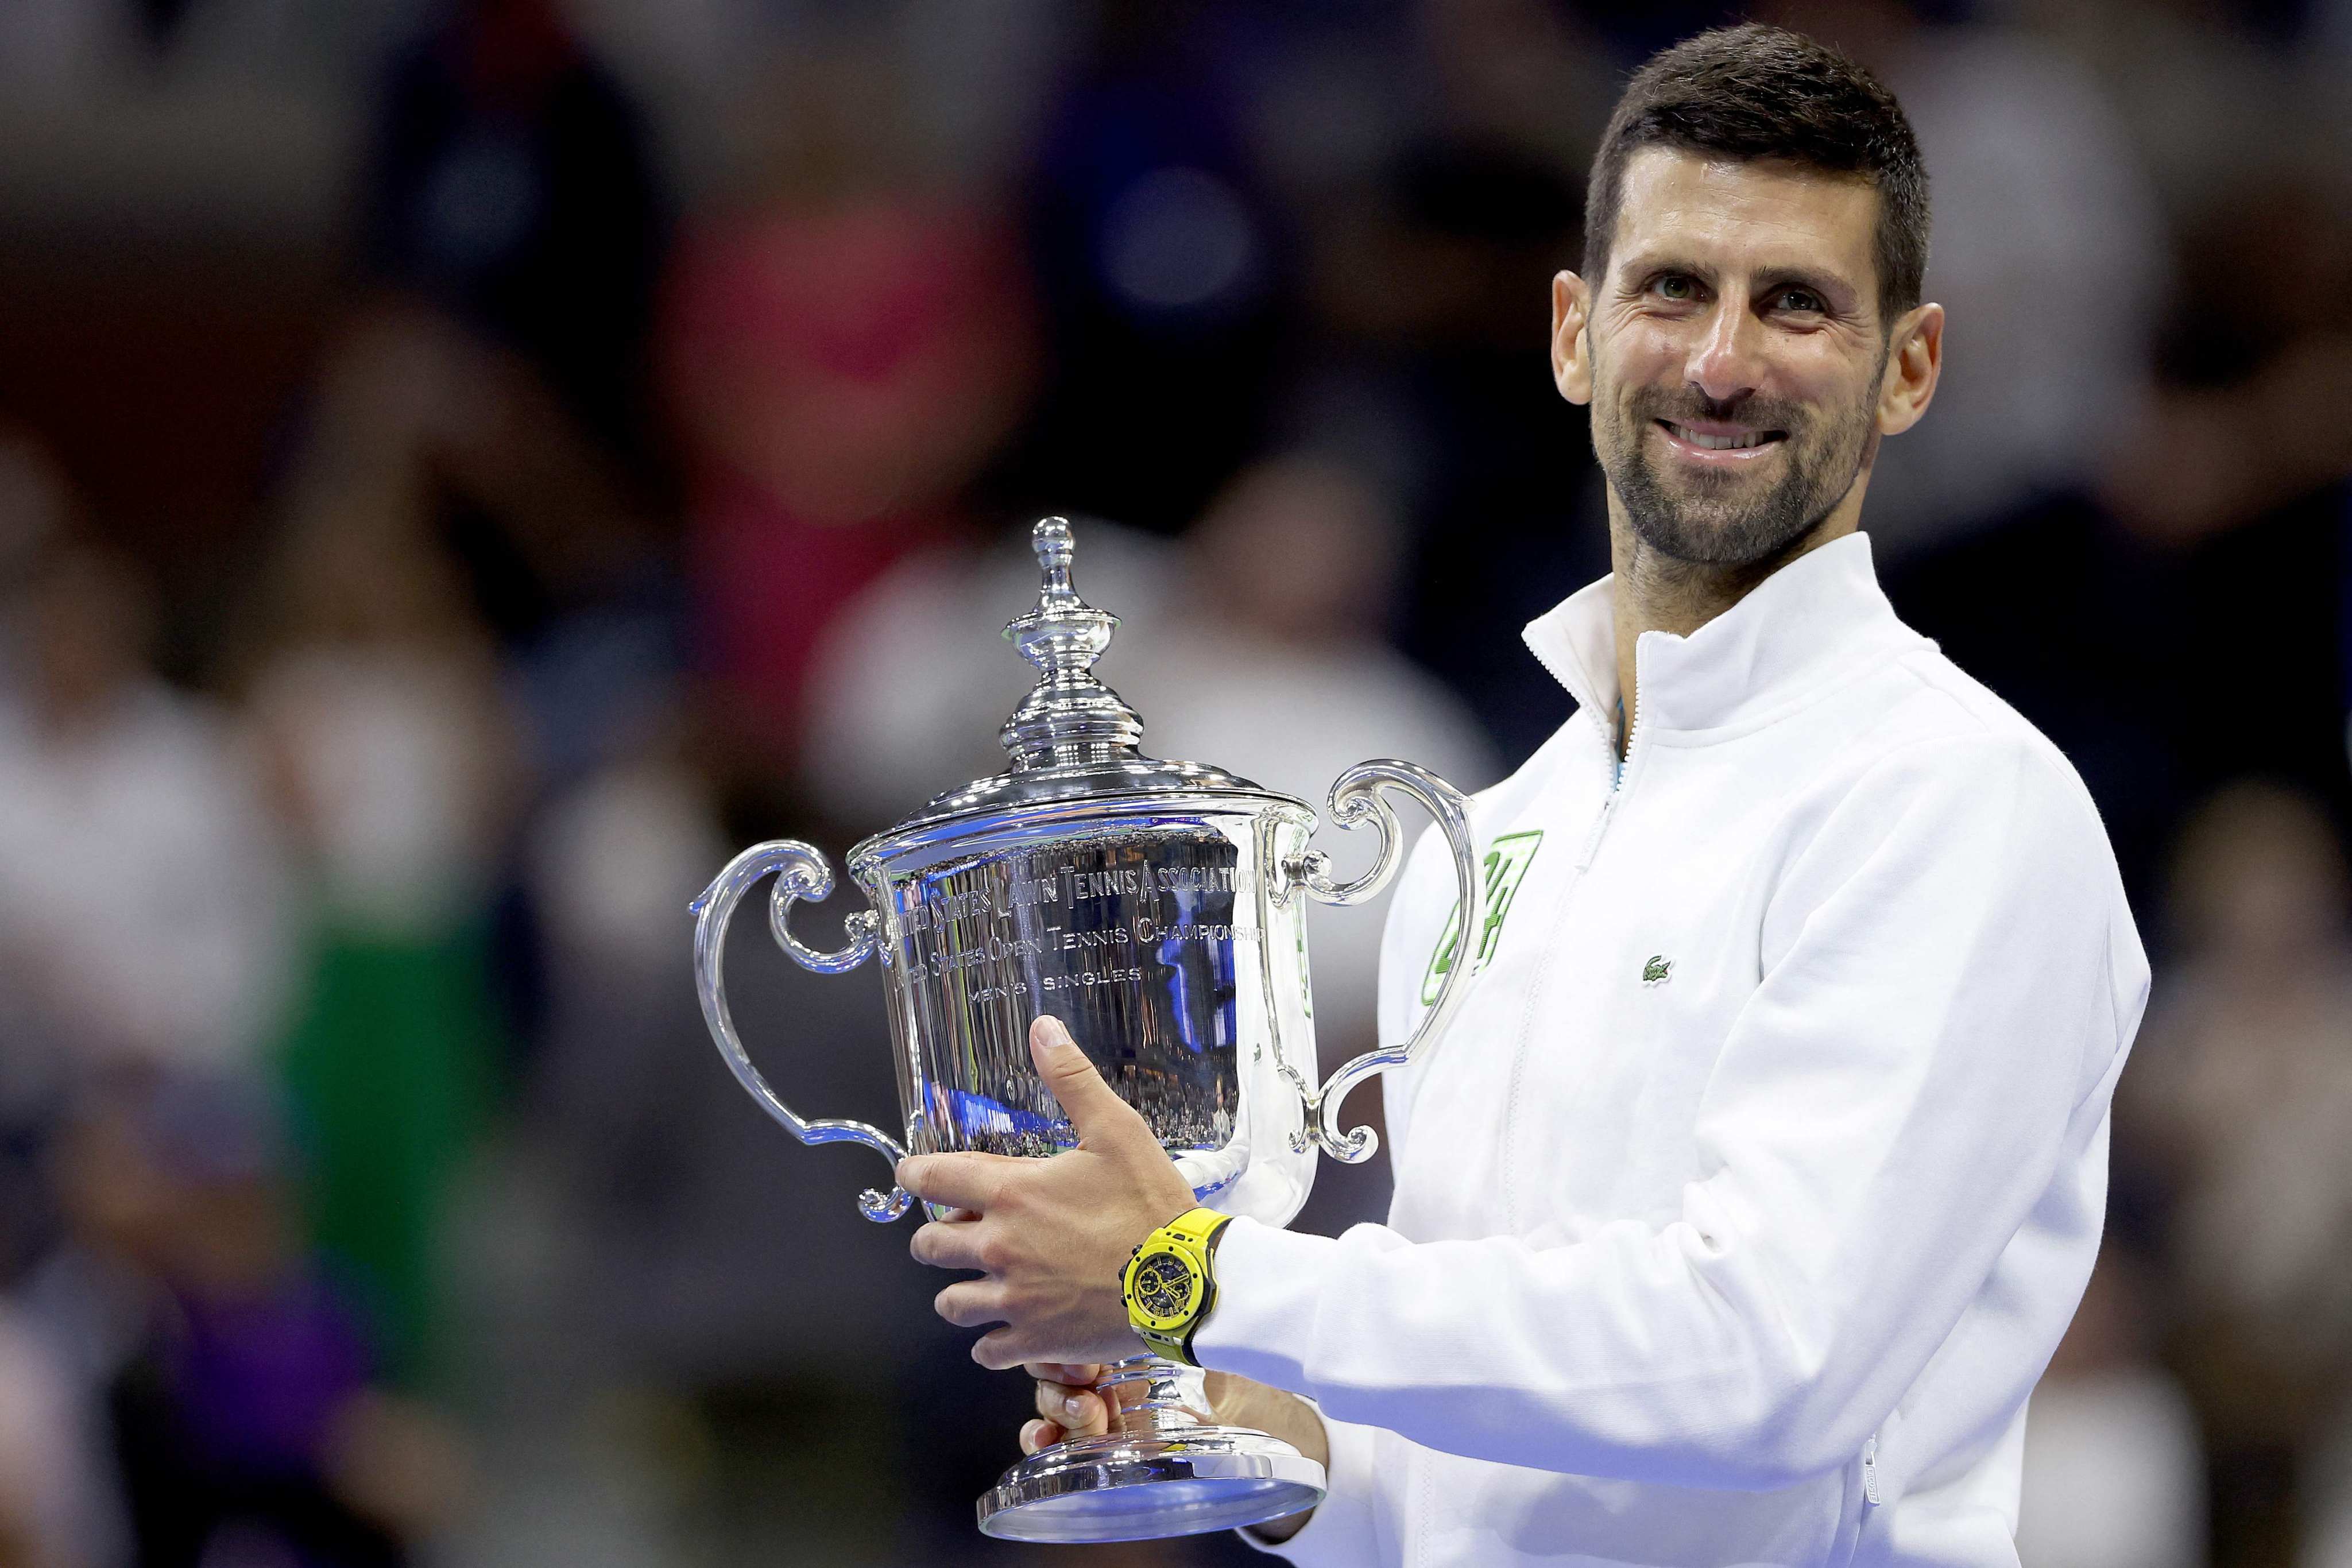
<point>1163,1287</point>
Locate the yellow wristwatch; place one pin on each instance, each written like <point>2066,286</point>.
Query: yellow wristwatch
<point>1170,1282</point>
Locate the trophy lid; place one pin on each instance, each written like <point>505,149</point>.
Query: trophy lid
<point>1072,737</point>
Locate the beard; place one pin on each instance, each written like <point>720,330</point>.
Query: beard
<point>1726,519</point>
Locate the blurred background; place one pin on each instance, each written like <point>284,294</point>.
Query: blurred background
<point>466,468</point>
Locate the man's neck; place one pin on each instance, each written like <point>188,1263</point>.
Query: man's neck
<point>1653,592</point>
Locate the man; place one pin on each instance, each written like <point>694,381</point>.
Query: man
<point>1741,1205</point>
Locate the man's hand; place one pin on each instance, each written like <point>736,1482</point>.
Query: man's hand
<point>1069,1406</point>
<point>1050,1236</point>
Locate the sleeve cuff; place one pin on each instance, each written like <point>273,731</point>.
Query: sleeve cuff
<point>1260,1328</point>
<point>1268,1287</point>
<point>1341,1533</point>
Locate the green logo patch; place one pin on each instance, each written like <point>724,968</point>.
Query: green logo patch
<point>1506,863</point>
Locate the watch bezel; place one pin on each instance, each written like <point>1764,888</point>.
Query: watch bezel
<point>1195,1283</point>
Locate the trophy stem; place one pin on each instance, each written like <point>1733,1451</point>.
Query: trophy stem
<point>1174,1397</point>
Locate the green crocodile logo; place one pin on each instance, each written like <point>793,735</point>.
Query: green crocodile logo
<point>1505,866</point>
<point>1658,970</point>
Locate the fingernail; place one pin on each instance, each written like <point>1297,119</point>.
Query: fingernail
<point>1073,1403</point>
<point>1056,1034</point>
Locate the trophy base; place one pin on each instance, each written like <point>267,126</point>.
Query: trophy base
<point>1143,1486</point>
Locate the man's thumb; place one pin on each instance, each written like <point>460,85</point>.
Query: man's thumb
<point>1094,1108</point>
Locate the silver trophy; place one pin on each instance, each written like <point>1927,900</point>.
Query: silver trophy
<point>1158,909</point>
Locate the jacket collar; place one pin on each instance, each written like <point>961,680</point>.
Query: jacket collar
<point>1814,623</point>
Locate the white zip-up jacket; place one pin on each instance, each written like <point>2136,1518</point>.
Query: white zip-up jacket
<point>1741,1205</point>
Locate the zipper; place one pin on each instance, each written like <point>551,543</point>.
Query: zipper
<point>1870,1470</point>
<point>1593,836</point>
<point>1619,770</point>
<point>1541,978</point>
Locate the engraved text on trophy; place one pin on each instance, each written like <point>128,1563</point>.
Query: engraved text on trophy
<point>1128,938</point>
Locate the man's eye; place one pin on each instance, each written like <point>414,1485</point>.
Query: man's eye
<point>1799,299</point>
<point>1674,286</point>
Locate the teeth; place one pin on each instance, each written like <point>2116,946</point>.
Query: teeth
<point>1720,442</point>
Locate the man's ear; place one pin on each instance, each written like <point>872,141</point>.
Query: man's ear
<point>1572,343</point>
<point>1915,362</point>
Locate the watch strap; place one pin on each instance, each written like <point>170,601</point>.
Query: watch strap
<point>1201,1227</point>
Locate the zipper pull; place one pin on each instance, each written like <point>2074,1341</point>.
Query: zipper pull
<point>1870,1469</point>
<point>1593,839</point>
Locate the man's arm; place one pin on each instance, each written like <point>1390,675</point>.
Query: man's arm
<point>1938,1025</point>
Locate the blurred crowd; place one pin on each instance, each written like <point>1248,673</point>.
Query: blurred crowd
<point>465,468</point>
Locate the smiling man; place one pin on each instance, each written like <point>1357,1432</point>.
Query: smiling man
<point>1741,1207</point>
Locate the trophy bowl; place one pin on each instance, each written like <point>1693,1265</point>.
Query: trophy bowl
<point>1158,909</point>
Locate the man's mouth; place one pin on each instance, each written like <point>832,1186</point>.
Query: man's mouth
<point>1721,438</point>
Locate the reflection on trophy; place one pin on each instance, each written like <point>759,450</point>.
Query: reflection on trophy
<point>1156,908</point>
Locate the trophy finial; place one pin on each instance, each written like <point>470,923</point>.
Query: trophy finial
<point>1069,715</point>
<point>1064,634</point>
<point>1056,548</point>
<point>1052,541</point>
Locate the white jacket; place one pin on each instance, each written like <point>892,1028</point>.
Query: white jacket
<point>1744,1202</point>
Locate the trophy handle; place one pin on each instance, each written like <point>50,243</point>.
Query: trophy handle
<point>1356,796</point>
<point>801,873</point>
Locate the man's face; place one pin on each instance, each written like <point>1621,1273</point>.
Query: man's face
<point>1737,353</point>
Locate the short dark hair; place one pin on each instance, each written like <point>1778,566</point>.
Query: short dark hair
<point>1761,93</point>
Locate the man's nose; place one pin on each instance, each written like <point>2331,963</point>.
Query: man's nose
<point>1725,361</point>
